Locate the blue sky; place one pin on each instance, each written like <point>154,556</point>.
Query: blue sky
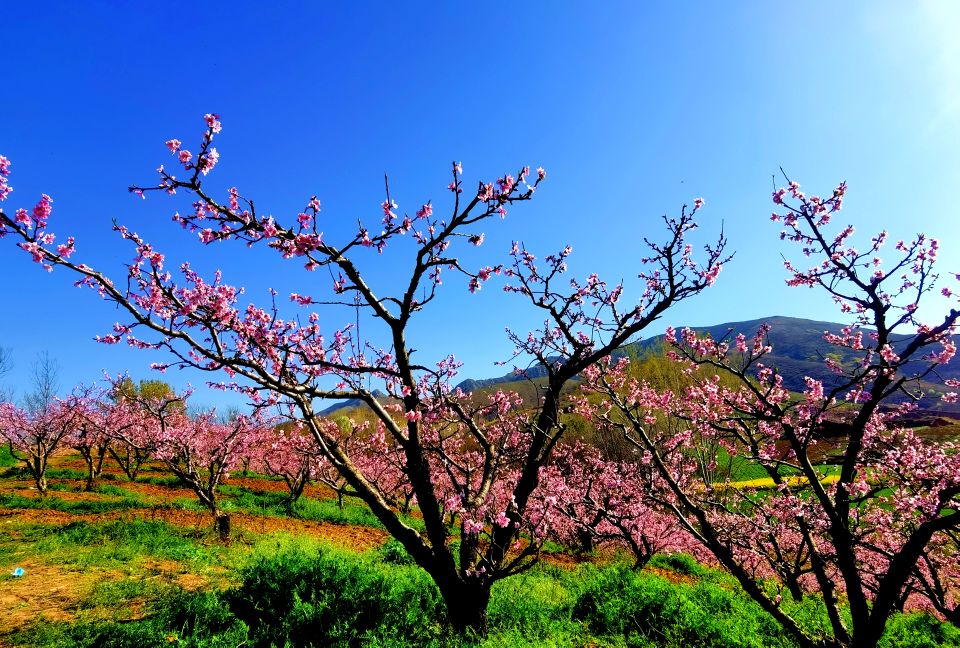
<point>632,108</point>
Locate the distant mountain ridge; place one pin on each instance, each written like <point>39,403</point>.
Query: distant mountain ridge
<point>799,350</point>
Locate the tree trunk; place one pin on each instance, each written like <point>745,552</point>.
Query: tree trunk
<point>794,588</point>
<point>94,467</point>
<point>467,607</point>
<point>868,638</point>
<point>38,467</point>
<point>952,615</point>
<point>221,523</point>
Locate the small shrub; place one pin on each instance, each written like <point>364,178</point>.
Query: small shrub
<point>335,598</point>
<point>919,630</point>
<point>394,553</point>
<point>648,610</point>
<point>679,563</point>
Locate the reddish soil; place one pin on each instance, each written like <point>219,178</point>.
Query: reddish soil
<point>44,590</point>
<point>358,538</point>
<point>671,576</point>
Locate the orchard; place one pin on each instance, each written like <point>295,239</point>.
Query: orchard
<point>492,478</point>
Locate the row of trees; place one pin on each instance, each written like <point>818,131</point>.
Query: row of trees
<point>593,500</point>
<point>495,473</point>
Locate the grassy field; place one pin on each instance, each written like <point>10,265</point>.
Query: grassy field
<point>136,564</point>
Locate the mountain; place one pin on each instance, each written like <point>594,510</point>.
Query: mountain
<point>799,350</point>
<point>351,403</point>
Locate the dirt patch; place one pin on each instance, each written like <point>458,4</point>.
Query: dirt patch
<point>156,491</point>
<point>44,516</point>
<point>671,576</point>
<point>43,591</point>
<point>566,560</point>
<point>183,575</point>
<point>358,538</point>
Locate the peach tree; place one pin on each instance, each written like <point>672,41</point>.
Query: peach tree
<point>473,465</point>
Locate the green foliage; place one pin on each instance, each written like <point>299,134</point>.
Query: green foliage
<point>919,631</point>
<point>536,605</point>
<point>237,498</point>
<point>117,593</point>
<point>335,598</point>
<point>183,620</point>
<point>65,473</point>
<point>394,553</point>
<point>14,501</point>
<point>294,592</point>
<point>6,458</point>
<point>170,481</point>
<point>114,542</point>
<point>648,610</point>
<point>110,489</point>
<point>14,471</point>
<point>680,563</point>
<point>308,508</point>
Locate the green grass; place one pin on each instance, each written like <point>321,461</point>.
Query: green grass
<point>354,511</point>
<point>6,459</point>
<point>239,498</point>
<point>66,473</point>
<point>110,489</point>
<point>300,592</point>
<point>53,503</point>
<point>170,481</point>
<point>308,508</point>
<point>285,590</point>
<point>117,543</point>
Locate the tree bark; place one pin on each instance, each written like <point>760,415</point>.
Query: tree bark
<point>466,606</point>
<point>221,524</point>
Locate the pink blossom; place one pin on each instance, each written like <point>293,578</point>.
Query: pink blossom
<point>888,354</point>
<point>213,121</point>
<point>208,160</point>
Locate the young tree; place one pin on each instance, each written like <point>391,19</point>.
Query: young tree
<point>131,444</point>
<point>866,535</point>
<point>275,359</point>
<point>201,450</point>
<point>287,452</point>
<point>46,384</point>
<point>604,501</point>
<point>92,440</point>
<point>34,435</point>
<point>36,431</point>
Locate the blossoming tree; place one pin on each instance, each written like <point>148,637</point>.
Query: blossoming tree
<point>604,501</point>
<point>200,449</point>
<point>33,435</point>
<point>865,530</point>
<point>200,324</point>
<point>92,439</point>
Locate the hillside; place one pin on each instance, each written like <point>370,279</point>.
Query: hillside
<point>799,350</point>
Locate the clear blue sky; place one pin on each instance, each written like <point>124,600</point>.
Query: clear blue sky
<point>632,108</point>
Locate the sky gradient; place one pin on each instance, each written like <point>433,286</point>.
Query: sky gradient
<point>633,109</point>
